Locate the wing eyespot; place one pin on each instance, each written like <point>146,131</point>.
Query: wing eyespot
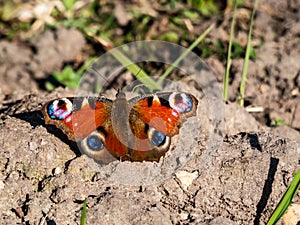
<point>181,102</point>
<point>94,146</point>
<point>93,143</point>
<point>157,138</point>
<point>59,109</point>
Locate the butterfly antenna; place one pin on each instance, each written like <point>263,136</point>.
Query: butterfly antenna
<point>105,82</point>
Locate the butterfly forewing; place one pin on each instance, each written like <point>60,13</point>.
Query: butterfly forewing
<point>165,111</point>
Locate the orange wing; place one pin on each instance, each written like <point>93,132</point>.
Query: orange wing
<point>165,111</point>
<point>86,121</point>
<point>77,117</point>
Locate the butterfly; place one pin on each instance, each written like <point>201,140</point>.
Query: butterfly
<point>139,129</point>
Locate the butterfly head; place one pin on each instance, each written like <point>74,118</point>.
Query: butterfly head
<point>120,94</point>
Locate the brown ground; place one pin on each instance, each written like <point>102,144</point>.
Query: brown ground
<point>44,180</point>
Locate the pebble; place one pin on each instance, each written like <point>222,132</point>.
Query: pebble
<point>186,178</point>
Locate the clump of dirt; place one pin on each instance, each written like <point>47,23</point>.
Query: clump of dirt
<point>24,64</point>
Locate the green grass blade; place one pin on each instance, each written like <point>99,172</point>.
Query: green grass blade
<point>184,54</point>
<point>286,199</point>
<point>83,213</point>
<point>226,78</point>
<point>247,56</point>
<point>138,72</point>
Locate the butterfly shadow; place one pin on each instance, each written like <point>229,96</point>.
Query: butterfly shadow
<point>36,118</point>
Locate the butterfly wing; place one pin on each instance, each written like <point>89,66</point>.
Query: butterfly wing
<point>86,121</point>
<point>165,111</point>
<point>156,118</point>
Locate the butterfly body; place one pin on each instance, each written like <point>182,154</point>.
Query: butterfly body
<point>136,130</point>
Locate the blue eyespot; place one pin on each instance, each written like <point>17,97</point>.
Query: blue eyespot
<point>59,109</point>
<point>189,104</point>
<point>95,143</point>
<point>51,111</point>
<point>184,104</point>
<point>158,138</point>
<point>181,102</point>
<point>57,113</point>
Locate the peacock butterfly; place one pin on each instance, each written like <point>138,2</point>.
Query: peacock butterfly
<point>136,130</point>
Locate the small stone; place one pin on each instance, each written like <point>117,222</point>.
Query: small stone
<point>184,216</point>
<point>186,178</point>
<point>57,170</point>
<point>32,146</point>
